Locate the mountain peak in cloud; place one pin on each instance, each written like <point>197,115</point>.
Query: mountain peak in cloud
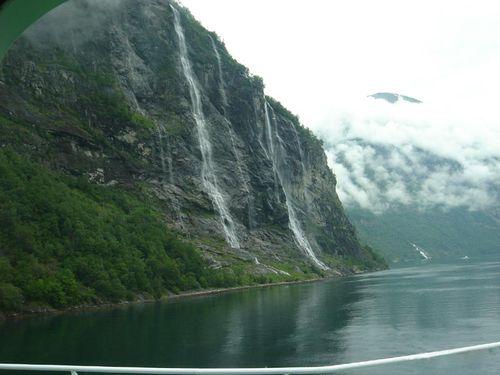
<point>393,98</point>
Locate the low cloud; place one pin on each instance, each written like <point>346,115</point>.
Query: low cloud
<point>73,22</point>
<point>443,154</point>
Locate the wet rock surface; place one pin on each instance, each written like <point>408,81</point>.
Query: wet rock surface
<point>106,98</point>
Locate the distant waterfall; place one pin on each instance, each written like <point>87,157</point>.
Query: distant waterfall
<point>222,87</point>
<point>305,171</point>
<point>243,175</point>
<point>160,132</point>
<point>208,176</point>
<point>271,153</point>
<point>276,153</point>
<point>421,251</point>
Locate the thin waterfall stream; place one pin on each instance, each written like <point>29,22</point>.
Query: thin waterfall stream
<point>222,87</point>
<point>305,171</point>
<point>208,176</point>
<point>160,132</point>
<point>276,153</point>
<point>243,175</point>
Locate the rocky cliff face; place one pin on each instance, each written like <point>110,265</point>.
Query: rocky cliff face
<point>137,95</point>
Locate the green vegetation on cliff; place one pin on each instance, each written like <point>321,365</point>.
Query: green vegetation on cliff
<point>65,241</point>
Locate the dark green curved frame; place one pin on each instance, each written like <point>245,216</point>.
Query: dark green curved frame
<point>17,15</point>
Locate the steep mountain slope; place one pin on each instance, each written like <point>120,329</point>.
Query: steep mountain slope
<point>442,233</point>
<point>135,108</point>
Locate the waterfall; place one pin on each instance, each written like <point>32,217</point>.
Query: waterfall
<point>276,152</point>
<point>305,171</point>
<point>270,152</point>
<point>421,251</point>
<point>222,87</point>
<point>208,176</point>
<point>160,132</point>
<point>242,174</point>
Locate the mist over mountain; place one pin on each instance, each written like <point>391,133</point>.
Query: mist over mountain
<point>411,171</point>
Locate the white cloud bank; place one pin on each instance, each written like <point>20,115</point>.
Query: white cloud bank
<point>443,153</point>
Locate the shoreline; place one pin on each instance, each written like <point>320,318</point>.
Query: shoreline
<point>47,312</point>
<point>218,291</point>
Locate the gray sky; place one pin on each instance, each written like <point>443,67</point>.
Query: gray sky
<point>313,54</point>
<point>321,58</point>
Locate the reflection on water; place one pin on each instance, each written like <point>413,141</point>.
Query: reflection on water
<point>413,310</point>
<point>390,313</point>
<point>260,327</point>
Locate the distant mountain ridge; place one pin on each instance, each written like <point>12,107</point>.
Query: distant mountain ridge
<point>444,234</point>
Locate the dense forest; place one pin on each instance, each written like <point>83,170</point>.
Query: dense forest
<point>65,241</point>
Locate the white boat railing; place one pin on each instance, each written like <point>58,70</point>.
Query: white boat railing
<point>246,371</point>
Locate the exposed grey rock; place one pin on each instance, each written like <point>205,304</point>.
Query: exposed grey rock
<point>134,60</point>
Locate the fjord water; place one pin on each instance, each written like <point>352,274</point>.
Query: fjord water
<point>390,313</point>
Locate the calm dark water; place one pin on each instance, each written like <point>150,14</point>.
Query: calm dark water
<point>390,313</point>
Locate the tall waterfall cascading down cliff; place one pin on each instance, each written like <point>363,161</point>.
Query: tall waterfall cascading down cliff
<point>208,175</point>
<point>242,172</point>
<point>276,153</point>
